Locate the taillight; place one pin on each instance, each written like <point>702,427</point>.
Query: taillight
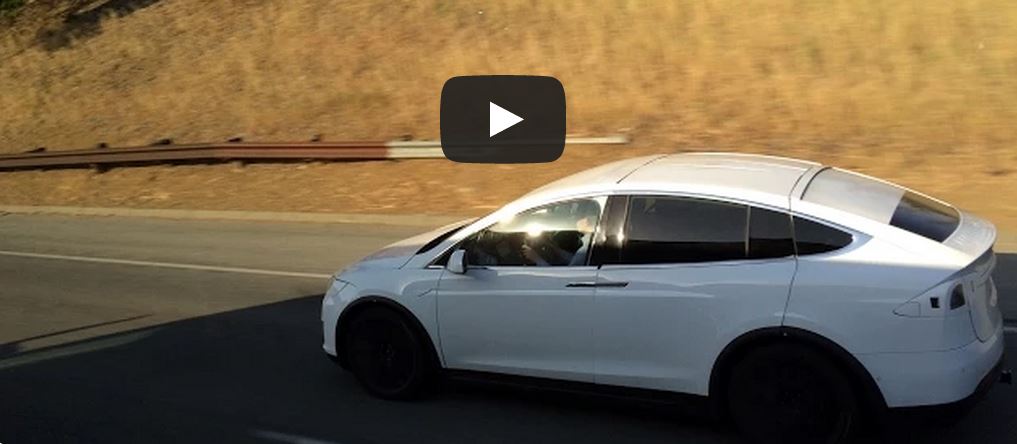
<point>957,296</point>
<point>939,301</point>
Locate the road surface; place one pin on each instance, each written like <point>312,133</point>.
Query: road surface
<point>147,330</point>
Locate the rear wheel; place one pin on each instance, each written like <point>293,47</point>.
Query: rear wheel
<point>387,355</point>
<point>791,394</point>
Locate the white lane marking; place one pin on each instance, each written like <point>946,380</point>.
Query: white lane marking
<point>288,438</point>
<point>104,260</point>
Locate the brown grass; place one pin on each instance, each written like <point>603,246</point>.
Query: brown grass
<point>827,74</point>
<point>914,90</point>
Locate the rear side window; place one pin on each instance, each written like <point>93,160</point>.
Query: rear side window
<point>682,230</point>
<point>883,202</point>
<point>769,234</point>
<point>814,237</point>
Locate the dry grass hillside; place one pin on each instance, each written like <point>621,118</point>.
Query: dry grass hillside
<point>918,91</point>
<point>823,73</point>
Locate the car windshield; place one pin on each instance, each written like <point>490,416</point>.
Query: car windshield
<point>883,202</point>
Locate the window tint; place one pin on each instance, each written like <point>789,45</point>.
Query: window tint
<point>925,217</point>
<point>769,234</point>
<point>555,235</point>
<point>813,237</point>
<point>681,230</point>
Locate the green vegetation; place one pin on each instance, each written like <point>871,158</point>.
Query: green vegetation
<point>9,7</point>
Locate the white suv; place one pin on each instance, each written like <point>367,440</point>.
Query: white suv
<point>795,298</point>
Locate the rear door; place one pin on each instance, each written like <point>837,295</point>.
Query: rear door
<point>681,277</point>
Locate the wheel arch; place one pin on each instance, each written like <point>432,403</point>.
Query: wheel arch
<point>362,303</point>
<point>870,395</point>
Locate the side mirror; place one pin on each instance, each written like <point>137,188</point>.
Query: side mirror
<point>457,262</point>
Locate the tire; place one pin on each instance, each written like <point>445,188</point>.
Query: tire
<point>387,355</point>
<point>791,394</point>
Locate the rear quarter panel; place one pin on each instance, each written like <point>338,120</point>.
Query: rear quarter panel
<point>849,296</point>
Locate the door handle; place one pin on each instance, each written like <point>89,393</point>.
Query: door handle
<point>589,284</point>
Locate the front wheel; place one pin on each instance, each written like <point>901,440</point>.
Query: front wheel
<point>791,394</point>
<point>386,355</point>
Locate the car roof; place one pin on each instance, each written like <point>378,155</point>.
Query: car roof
<point>749,177</point>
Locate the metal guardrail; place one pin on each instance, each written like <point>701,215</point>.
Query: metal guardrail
<point>195,152</point>
<point>239,150</point>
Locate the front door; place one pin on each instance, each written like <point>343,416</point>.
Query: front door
<point>524,305</point>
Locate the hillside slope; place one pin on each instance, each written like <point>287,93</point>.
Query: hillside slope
<point>916,91</point>
<point>828,74</point>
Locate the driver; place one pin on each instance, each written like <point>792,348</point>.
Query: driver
<point>567,247</point>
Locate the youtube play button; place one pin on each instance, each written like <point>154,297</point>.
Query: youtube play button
<point>503,119</point>
<point>499,119</point>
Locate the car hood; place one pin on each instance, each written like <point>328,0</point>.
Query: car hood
<point>397,254</point>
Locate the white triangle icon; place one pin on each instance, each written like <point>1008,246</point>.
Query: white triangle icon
<point>501,119</point>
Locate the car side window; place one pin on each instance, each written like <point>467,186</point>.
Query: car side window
<point>769,234</point>
<point>664,229</point>
<point>559,234</point>
<point>814,238</point>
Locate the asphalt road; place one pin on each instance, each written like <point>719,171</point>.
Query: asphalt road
<point>208,331</point>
